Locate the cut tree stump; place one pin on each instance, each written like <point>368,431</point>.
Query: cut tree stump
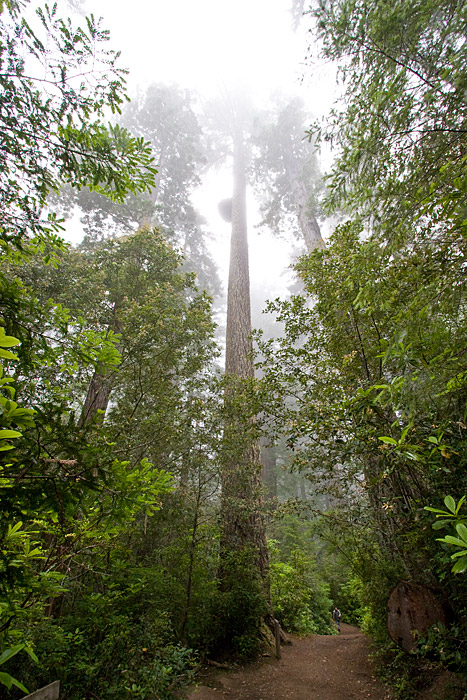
<point>412,609</point>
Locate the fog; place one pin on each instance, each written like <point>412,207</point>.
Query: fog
<point>210,47</point>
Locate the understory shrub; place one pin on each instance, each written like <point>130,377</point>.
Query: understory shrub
<point>237,609</point>
<point>117,643</point>
<point>300,598</point>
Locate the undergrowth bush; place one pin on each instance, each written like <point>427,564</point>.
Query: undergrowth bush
<point>349,599</point>
<point>300,598</point>
<point>114,644</point>
<point>237,609</point>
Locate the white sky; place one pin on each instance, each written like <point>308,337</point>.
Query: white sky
<point>199,43</point>
<point>203,45</point>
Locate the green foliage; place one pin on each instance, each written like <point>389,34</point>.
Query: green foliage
<point>165,116</point>
<point>52,123</point>
<point>72,506</point>
<point>106,592</point>
<point>239,607</point>
<point>403,67</point>
<point>11,413</point>
<point>367,383</point>
<point>300,598</point>
<point>117,642</point>
<point>398,670</point>
<point>286,173</point>
<point>446,646</point>
<point>5,678</point>
<point>452,517</point>
<point>363,363</point>
<point>350,599</point>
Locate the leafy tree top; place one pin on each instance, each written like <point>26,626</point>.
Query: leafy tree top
<point>401,133</point>
<point>56,81</point>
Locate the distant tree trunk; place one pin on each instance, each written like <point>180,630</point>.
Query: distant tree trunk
<point>242,523</point>
<point>308,224</point>
<point>302,489</point>
<point>191,564</point>
<point>97,398</point>
<point>100,387</point>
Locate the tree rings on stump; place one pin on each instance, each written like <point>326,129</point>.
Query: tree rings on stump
<point>412,609</point>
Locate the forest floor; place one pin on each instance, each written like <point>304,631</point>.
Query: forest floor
<point>334,667</point>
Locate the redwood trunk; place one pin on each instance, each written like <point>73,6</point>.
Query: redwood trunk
<point>269,470</point>
<point>241,481</point>
<point>238,357</point>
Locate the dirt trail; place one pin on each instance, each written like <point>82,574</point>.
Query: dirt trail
<point>315,668</point>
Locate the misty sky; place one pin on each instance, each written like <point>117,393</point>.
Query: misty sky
<point>208,45</point>
<point>200,44</point>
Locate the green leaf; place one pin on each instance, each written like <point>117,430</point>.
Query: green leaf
<point>8,434</point>
<point>31,654</point>
<point>460,504</point>
<point>438,524</point>
<point>404,434</point>
<point>388,440</point>
<point>458,554</point>
<point>460,566</point>
<point>7,341</point>
<point>14,531</point>
<point>9,653</point>
<point>450,504</point>
<point>449,539</point>
<point>7,355</point>
<point>437,510</point>
<point>8,681</point>
<point>462,532</point>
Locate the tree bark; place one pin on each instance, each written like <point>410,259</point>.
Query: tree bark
<point>97,398</point>
<point>308,224</point>
<point>101,385</point>
<point>239,347</point>
<point>241,480</point>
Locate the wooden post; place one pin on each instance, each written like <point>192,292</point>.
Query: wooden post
<point>277,635</point>
<point>48,692</point>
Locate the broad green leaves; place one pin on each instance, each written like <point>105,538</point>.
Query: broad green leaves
<point>452,516</point>
<point>10,413</point>
<point>7,341</point>
<point>5,678</point>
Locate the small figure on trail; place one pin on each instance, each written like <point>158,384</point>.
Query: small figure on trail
<point>336,616</point>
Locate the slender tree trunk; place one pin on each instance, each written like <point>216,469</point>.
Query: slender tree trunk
<point>308,224</point>
<point>191,564</point>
